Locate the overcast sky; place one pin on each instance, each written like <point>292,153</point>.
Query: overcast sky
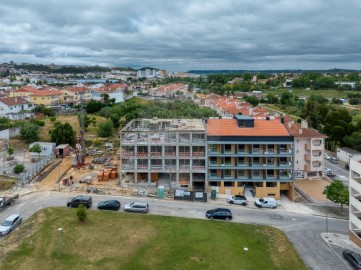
<point>179,35</point>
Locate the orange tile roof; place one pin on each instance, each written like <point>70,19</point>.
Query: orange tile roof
<point>229,127</point>
<point>294,129</point>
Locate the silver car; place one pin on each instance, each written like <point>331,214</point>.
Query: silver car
<point>140,207</point>
<point>10,224</point>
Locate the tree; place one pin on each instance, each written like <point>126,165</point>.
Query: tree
<point>81,213</point>
<point>105,97</point>
<point>10,151</point>
<point>36,149</point>
<point>271,99</point>
<point>252,100</point>
<point>354,140</point>
<point>19,168</point>
<point>29,133</point>
<point>93,106</point>
<point>62,134</point>
<point>87,121</point>
<point>115,119</point>
<point>105,129</point>
<point>337,192</point>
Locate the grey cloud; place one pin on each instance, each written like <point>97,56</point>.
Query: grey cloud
<point>181,35</point>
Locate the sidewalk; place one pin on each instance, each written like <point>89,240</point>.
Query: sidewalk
<point>340,240</point>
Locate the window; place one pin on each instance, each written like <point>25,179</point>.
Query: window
<point>213,148</point>
<point>270,173</point>
<point>241,173</point>
<point>241,148</point>
<point>241,161</point>
<point>256,160</point>
<point>228,161</point>
<point>256,173</point>
<point>228,184</point>
<point>271,148</point>
<point>228,148</point>
<point>213,173</point>
<point>227,173</point>
<point>213,160</point>
<point>256,148</point>
<point>270,160</point>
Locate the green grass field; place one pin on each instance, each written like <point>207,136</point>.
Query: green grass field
<point>327,93</point>
<point>109,240</point>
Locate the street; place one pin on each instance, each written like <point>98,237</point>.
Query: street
<point>339,170</point>
<point>302,230</point>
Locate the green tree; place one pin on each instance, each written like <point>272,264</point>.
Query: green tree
<point>271,99</point>
<point>29,133</point>
<point>115,119</point>
<point>105,129</point>
<point>354,140</point>
<point>36,149</point>
<point>252,100</point>
<point>87,121</point>
<point>338,124</point>
<point>62,133</point>
<point>19,168</point>
<point>10,151</point>
<point>93,106</point>
<point>81,213</point>
<point>286,98</point>
<point>337,192</point>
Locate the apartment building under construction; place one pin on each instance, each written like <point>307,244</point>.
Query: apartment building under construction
<point>167,152</point>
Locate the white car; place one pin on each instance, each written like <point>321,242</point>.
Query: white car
<point>9,224</point>
<point>327,156</point>
<point>327,170</point>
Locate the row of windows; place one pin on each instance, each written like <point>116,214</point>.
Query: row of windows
<point>255,160</point>
<point>228,173</point>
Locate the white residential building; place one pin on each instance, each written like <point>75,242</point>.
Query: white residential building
<point>15,108</point>
<point>355,201</point>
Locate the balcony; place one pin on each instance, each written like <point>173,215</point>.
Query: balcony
<point>355,183</point>
<point>127,154</point>
<point>184,168</point>
<point>307,147</point>
<point>142,167</point>
<point>142,154</point>
<point>184,154</point>
<point>355,221</point>
<point>156,154</point>
<point>156,167</point>
<point>170,154</point>
<point>170,168</point>
<point>355,203</point>
<point>198,154</point>
<point>308,157</point>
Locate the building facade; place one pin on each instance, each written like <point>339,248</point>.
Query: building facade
<point>355,201</point>
<point>247,154</point>
<point>167,152</point>
<point>309,150</point>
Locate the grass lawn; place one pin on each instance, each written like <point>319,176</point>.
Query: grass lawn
<point>73,121</point>
<point>327,93</point>
<point>109,240</point>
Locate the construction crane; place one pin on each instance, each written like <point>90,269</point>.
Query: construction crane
<point>80,142</point>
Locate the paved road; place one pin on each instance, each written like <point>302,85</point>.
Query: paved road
<point>339,170</point>
<point>302,230</point>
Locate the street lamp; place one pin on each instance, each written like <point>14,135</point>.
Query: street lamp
<point>59,240</point>
<point>245,249</point>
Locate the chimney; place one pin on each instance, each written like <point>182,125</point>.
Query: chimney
<point>300,131</point>
<point>304,124</point>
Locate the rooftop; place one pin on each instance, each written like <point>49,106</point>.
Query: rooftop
<point>229,127</point>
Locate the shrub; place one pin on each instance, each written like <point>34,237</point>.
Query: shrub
<point>53,119</point>
<point>81,213</point>
<point>19,168</point>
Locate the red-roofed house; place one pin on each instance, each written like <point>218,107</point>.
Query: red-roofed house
<point>14,107</point>
<point>45,96</point>
<point>309,150</point>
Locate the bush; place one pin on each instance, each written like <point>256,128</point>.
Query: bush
<point>53,119</point>
<point>81,213</point>
<point>19,168</point>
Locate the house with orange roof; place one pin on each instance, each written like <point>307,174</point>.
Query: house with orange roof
<point>309,150</point>
<point>71,95</point>
<point>247,154</point>
<point>44,96</point>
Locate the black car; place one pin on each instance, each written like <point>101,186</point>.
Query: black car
<point>219,213</point>
<point>109,205</point>
<point>78,200</point>
<point>353,258</point>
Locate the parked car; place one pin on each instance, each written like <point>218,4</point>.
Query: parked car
<point>81,199</point>
<point>327,170</point>
<point>237,199</point>
<point>109,205</point>
<point>140,207</point>
<point>10,223</point>
<point>266,202</point>
<point>333,160</point>
<point>219,213</point>
<point>326,156</point>
<point>353,258</point>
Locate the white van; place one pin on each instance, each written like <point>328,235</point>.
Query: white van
<point>266,202</point>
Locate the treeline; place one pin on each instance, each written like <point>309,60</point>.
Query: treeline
<point>122,113</point>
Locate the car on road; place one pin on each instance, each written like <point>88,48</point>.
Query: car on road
<point>219,213</point>
<point>327,171</point>
<point>237,199</point>
<point>353,258</point>
<point>326,156</point>
<point>109,205</point>
<point>139,207</point>
<point>78,200</point>
<point>10,223</point>
<point>334,160</point>
<point>266,202</point>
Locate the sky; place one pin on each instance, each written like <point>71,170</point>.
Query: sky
<point>182,35</point>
